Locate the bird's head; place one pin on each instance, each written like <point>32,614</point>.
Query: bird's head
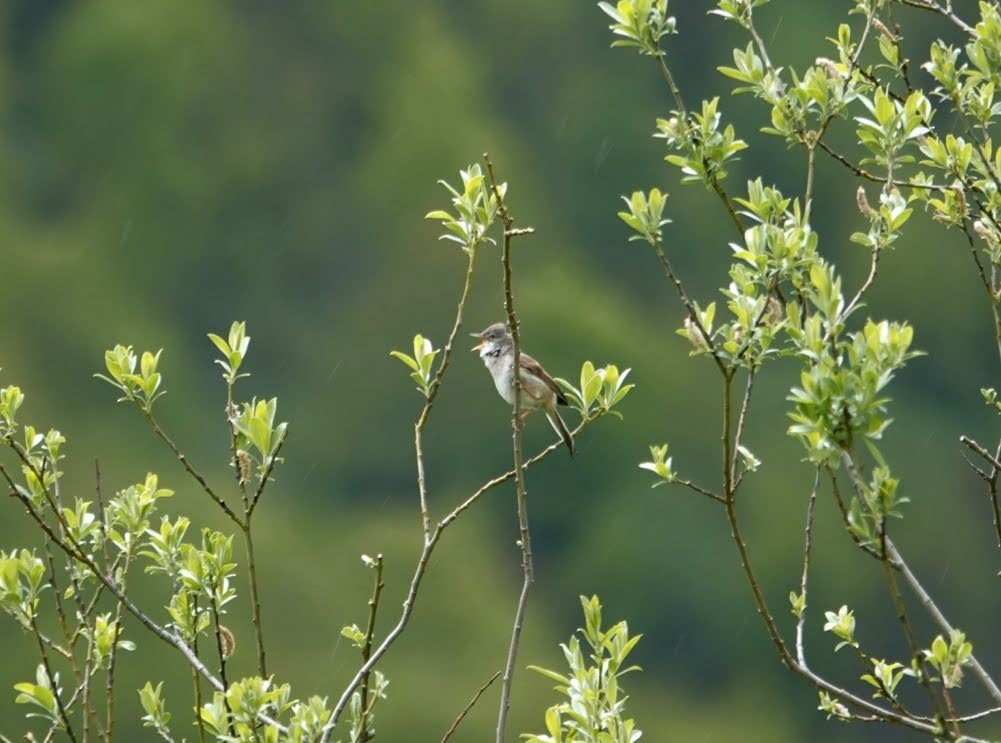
<point>494,335</point>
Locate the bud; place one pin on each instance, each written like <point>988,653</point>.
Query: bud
<point>695,335</point>
<point>243,465</point>
<point>884,31</point>
<point>227,642</point>
<point>775,312</point>
<point>961,196</point>
<point>983,231</point>
<point>832,69</point>
<point>863,204</point>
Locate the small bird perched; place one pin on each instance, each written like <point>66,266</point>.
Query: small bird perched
<point>539,391</point>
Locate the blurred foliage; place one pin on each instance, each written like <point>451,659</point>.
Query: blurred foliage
<point>164,170</point>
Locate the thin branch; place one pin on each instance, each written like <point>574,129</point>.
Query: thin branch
<point>76,552</point>
<point>973,716</point>
<point>418,576</point>
<point>741,419</point>
<point>665,71</point>
<point>525,542</point>
<point>700,490</point>
<point>187,466</point>
<point>867,284</point>
<point>789,662</point>
<point>945,12</point>
<point>905,623</point>
<point>366,653</point>
<point>197,684</point>
<point>898,563</point>
<point>811,156</point>
<point>469,706</point>
<point>689,304</point>
<point>932,608</point>
<point>433,388</point>
<point>500,479</point>
<point>113,655</point>
<point>992,480</point>
<point>266,476</point>
<point>984,281</point>
<point>862,173</point>
<point>973,445</point>
<point>255,599</point>
<point>801,620</point>
<point>52,681</point>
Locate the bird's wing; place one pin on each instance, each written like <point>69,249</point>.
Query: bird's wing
<point>534,368</point>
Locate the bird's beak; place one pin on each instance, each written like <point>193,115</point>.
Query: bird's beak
<point>479,345</point>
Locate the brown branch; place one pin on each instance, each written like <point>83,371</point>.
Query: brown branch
<point>525,542</point>
<point>52,680</point>
<point>255,599</point>
<point>867,284</point>
<point>801,620</point>
<point>188,467</point>
<point>892,556</point>
<point>469,706</point>
<point>433,388</point>
<point>741,419</point>
<point>689,304</point>
<point>992,479</point>
<point>265,478</point>
<point>862,173</point>
<point>366,653</point>
<point>418,577</point>
<point>109,690</point>
<point>75,552</point>
<point>700,490</point>
<point>945,12</point>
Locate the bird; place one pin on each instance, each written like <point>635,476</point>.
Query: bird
<point>539,390</point>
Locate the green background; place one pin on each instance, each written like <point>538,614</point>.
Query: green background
<point>168,167</point>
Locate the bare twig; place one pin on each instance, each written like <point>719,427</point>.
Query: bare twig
<point>77,553</point>
<point>932,608</point>
<point>52,680</point>
<point>255,599</point>
<point>525,542</point>
<point>366,653</point>
<point>897,562</point>
<point>700,490</point>
<point>469,706</point>
<point>863,173</point>
<point>801,620</point>
<point>741,419</point>
<point>943,11</point>
<point>433,388</point>
<point>419,571</point>
<point>188,467</point>
<point>689,304</point>
<point>992,479</point>
<point>113,655</point>
<point>266,477</point>
<point>866,285</point>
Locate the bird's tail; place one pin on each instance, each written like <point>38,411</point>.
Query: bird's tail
<point>561,428</point>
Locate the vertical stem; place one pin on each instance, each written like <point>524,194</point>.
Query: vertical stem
<point>525,541</point>
<point>52,679</point>
<point>433,391</point>
<point>112,656</point>
<point>221,650</point>
<point>801,620</point>
<point>197,682</point>
<point>811,152</point>
<point>366,653</point>
<point>255,600</point>
<point>912,644</point>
